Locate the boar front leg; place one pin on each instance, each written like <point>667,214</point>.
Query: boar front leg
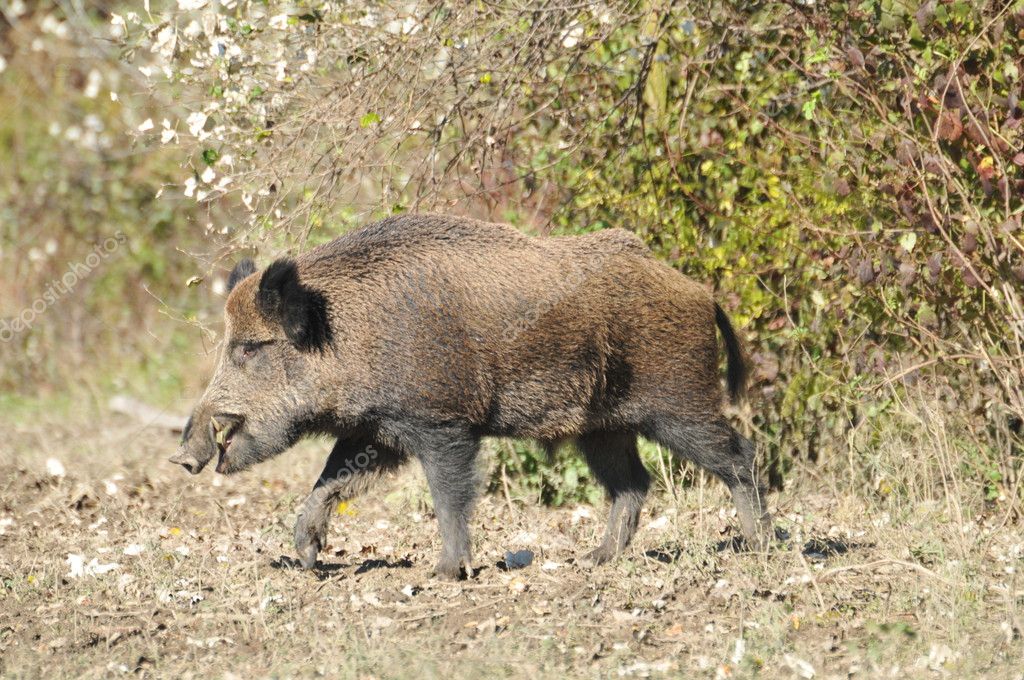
<point>449,464</point>
<point>356,463</point>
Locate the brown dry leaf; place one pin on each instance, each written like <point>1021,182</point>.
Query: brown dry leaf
<point>676,630</point>
<point>949,126</point>
<point>855,56</point>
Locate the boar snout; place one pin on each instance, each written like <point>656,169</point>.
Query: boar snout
<point>187,461</point>
<point>206,436</point>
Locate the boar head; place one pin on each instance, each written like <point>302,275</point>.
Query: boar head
<point>262,397</point>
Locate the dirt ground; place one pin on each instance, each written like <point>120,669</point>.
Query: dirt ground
<point>114,562</point>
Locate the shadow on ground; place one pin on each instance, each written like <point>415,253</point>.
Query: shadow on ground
<point>814,548</point>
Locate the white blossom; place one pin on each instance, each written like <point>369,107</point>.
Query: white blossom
<point>196,121</point>
<point>92,84</point>
<point>310,60</point>
<point>193,30</point>
<point>571,36</point>
<point>54,26</point>
<point>118,29</point>
<point>166,40</point>
<point>407,26</point>
<point>146,125</point>
<point>16,8</point>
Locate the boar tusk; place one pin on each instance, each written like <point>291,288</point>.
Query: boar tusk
<point>219,431</point>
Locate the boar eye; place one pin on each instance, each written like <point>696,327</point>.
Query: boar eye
<point>247,350</point>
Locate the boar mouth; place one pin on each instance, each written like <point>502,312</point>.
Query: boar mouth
<point>225,427</point>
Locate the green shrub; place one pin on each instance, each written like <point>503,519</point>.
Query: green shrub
<point>848,175</point>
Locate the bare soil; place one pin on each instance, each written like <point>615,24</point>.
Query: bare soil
<point>126,565</point>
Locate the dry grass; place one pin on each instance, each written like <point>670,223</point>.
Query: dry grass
<point>925,587</point>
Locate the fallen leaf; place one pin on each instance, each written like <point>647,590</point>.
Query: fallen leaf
<point>949,126</point>
<point>54,467</point>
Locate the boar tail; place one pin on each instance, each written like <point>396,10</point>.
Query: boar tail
<point>737,370</point>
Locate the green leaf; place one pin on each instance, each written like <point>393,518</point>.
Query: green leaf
<point>808,108</point>
<point>908,241</point>
<point>369,119</point>
<point>210,156</point>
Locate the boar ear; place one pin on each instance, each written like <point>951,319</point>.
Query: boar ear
<point>243,269</point>
<point>301,311</point>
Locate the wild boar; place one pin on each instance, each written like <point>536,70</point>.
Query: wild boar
<point>415,336</point>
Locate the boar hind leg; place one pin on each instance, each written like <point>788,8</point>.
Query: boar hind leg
<point>355,464</point>
<point>615,462</point>
<point>450,468</point>
<point>721,450</point>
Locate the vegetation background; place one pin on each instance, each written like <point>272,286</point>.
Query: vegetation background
<point>848,176</point>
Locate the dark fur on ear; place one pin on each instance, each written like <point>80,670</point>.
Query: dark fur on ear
<point>301,311</point>
<point>243,269</point>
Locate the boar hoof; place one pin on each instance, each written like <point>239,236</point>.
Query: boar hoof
<point>307,544</point>
<point>308,555</point>
<point>450,571</point>
<point>596,558</point>
<point>310,536</point>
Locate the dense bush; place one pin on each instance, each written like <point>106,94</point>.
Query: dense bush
<point>848,175</point>
<point>851,176</point>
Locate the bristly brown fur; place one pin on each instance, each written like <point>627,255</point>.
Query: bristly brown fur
<point>431,332</point>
